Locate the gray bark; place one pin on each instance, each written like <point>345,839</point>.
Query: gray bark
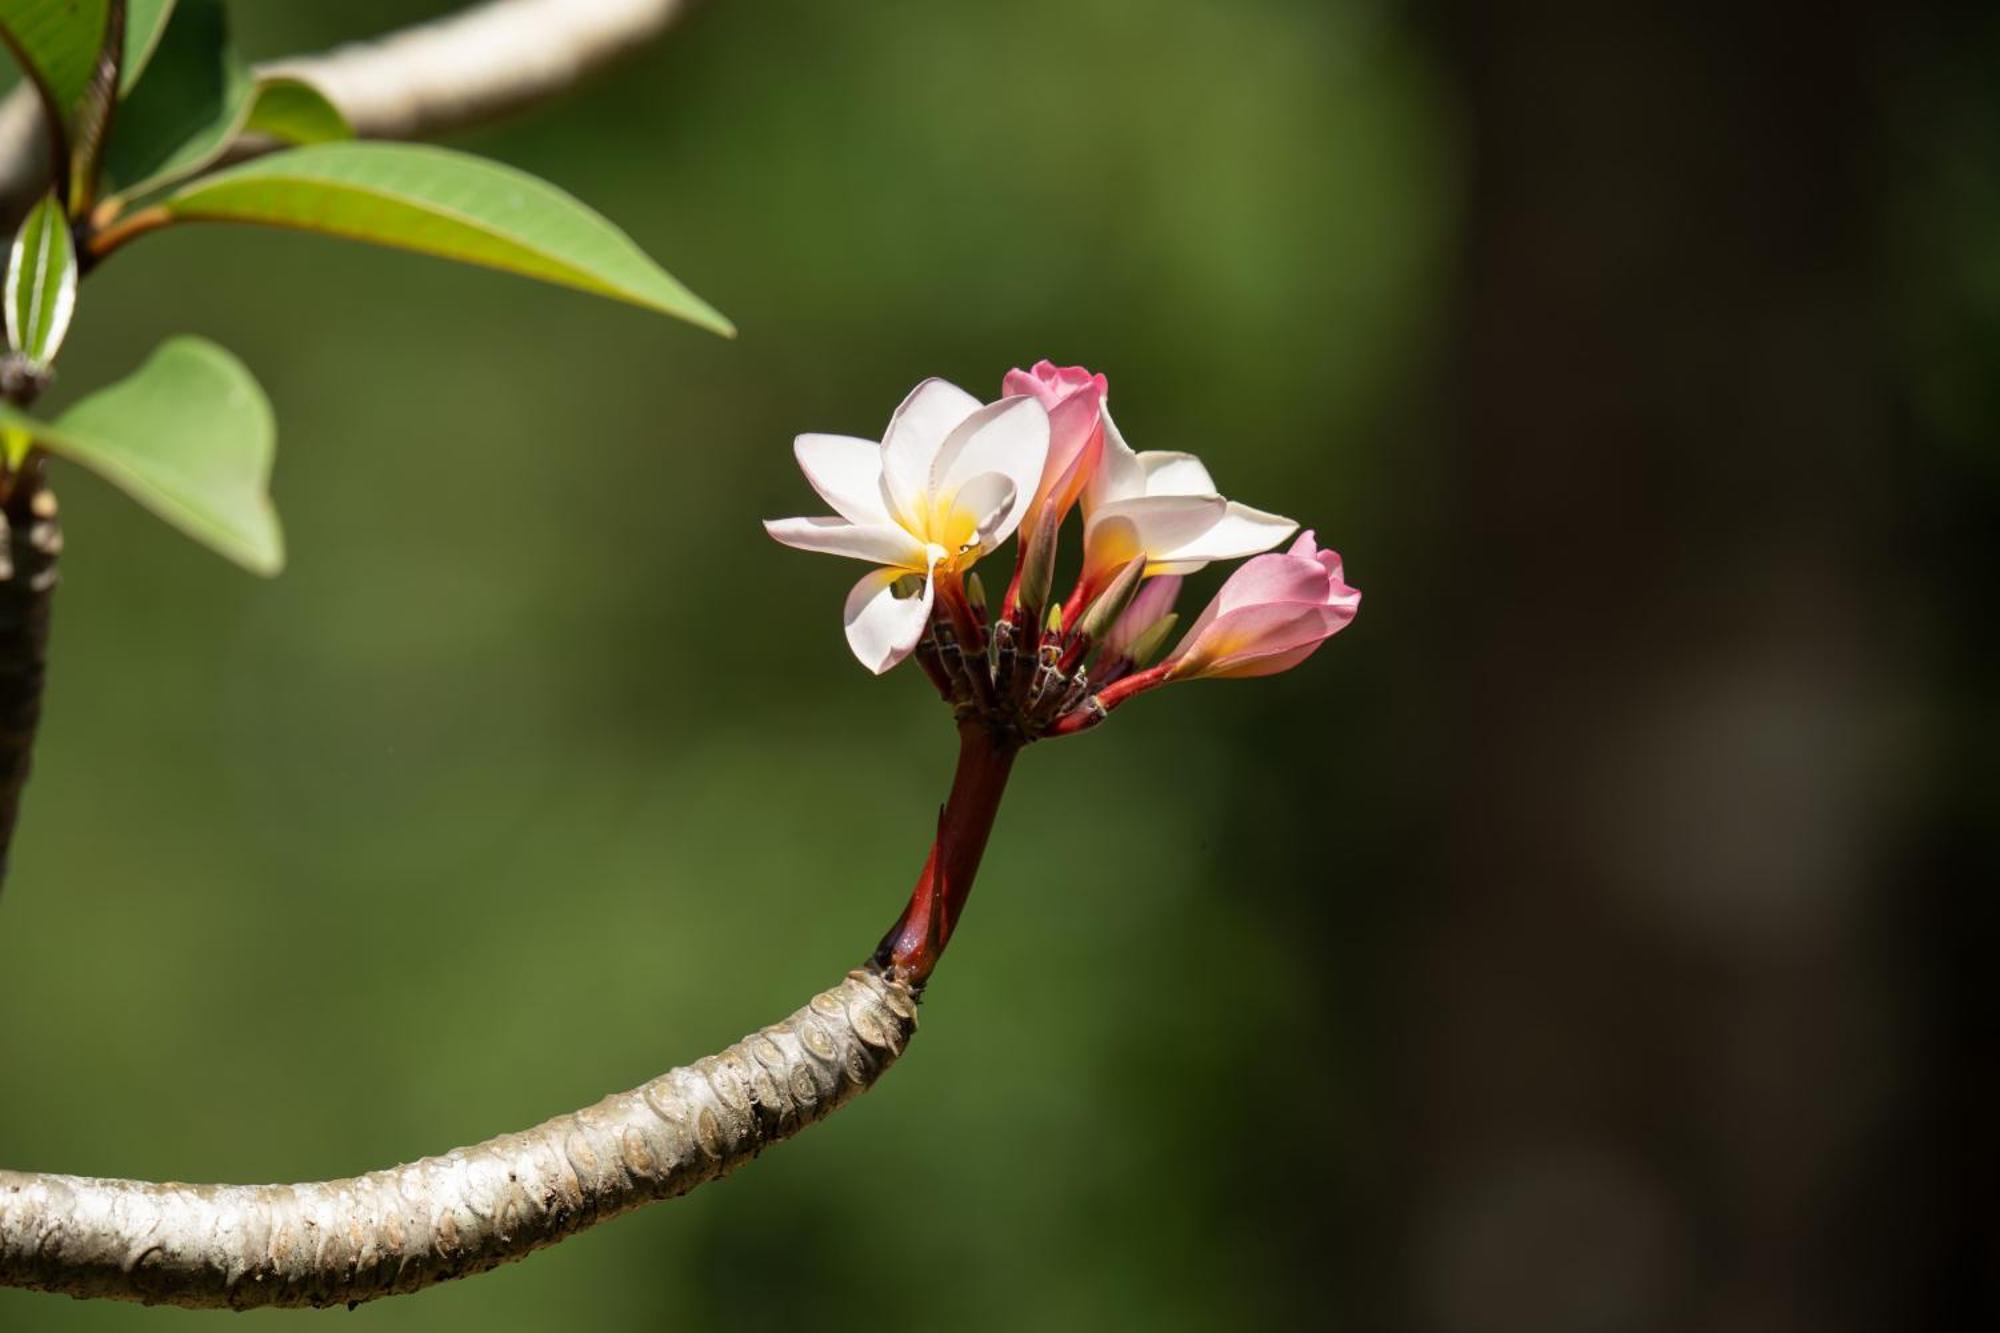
<point>398,1230</point>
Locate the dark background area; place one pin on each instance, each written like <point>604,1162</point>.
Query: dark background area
<point>1596,936</point>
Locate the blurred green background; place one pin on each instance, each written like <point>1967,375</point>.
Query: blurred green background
<point>1579,943</point>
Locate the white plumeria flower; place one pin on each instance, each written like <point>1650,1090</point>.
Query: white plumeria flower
<point>951,480</point>
<point>1165,507</point>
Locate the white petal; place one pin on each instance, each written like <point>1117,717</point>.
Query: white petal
<point>883,543</point>
<point>991,499</point>
<point>1119,475</point>
<point>1242,531</point>
<point>882,628</point>
<point>1165,524</point>
<point>847,473</point>
<point>916,432</point>
<point>1175,474</point>
<point>1010,439</point>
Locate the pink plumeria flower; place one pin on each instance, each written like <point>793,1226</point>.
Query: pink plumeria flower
<point>1074,398</point>
<point>950,481</point>
<point>1163,506</point>
<point>1269,617</point>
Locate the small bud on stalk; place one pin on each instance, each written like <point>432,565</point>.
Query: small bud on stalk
<point>1142,650</point>
<point>1111,603</point>
<point>1147,646</point>
<point>1037,567</point>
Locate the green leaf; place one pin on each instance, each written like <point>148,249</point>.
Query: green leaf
<point>438,202</point>
<point>92,117</point>
<point>190,436</point>
<point>295,111</point>
<point>200,98</point>
<point>41,282</point>
<point>56,42</point>
<point>145,20</point>
<point>193,100</point>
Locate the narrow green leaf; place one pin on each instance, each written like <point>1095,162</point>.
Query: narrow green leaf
<point>145,21</point>
<point>191,103</point>
<point>438,202</point>
<point>41,282</point>
<point>295,111</point>
<point>57,43</point>
<point>190,436</point>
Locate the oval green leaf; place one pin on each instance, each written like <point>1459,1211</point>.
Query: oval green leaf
<point>145,20</point>
<point>41,282</point>
<point>56,42</point>
<point>438,202</point>
<point>190,436</point>
<point>295,111</point>
<point>193,100</point>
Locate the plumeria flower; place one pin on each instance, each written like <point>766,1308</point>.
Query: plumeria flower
<point>950,480</point>
<point>1074,398</point>
<point>1163,506</point>
<point>1268,617</point>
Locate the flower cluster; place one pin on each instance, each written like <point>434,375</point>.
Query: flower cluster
<point>953,478</point>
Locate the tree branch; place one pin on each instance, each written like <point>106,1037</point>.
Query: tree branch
<point>346,1241</point>
<point>30,542</point>
<point>473,66</point>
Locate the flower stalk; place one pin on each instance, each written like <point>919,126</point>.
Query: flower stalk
<point>911,949</point>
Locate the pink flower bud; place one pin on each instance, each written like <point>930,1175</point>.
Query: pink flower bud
<point>1269,617</point>
<point>1155,599</point>
<point>1074,398</point>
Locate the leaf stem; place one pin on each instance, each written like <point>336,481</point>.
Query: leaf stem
<point>100,242</point>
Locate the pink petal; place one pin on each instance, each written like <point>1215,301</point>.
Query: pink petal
<point>1051,384</point>
<point>1076,441</point>
<point>1236,643</point>
<point>1266,579</point>
<point>1271,665</point>
<point>1154,599</point>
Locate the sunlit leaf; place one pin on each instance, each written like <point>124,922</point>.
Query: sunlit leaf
<point>295,111</point>
<point>15,444</point>
<point>193,100</point>
<point>190,436</point>
<point>56,42</point>
<point>438,202</point>
<point>41,282</point>
<point>145,21</point>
